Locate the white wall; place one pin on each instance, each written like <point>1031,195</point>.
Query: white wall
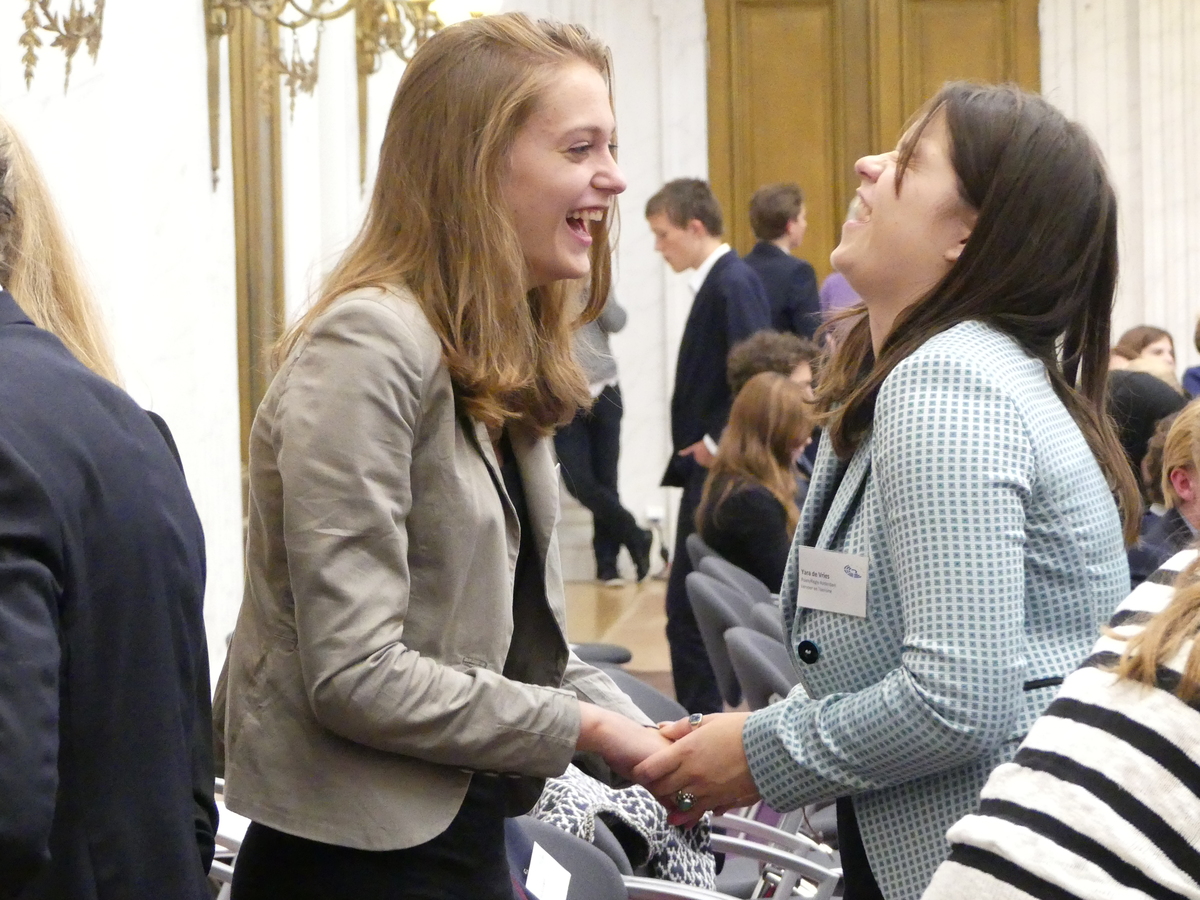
<point>126,156</point>
<point>1130,71</point>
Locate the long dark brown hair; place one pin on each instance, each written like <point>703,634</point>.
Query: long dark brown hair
<point>1040,265</point>
<point>438,225</point>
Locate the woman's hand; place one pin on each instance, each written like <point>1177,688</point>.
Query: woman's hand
<point>622,742</point>
<point>706,761</point>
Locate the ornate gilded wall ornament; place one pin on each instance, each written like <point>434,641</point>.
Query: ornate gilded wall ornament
<point>71,29</point>
<point>381,26</point>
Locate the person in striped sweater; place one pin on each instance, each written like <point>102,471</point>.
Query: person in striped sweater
<point>1103,797</point>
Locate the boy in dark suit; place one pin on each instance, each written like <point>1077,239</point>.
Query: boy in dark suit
<point>777,216</point>
<point>730,305</point>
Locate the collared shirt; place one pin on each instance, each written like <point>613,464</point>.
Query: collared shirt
<point>702,270</point>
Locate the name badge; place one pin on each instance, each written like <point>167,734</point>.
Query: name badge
<point>832,582</point>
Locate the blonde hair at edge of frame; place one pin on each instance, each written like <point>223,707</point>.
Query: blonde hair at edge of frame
<point>438,224</point>
<point>1167,632</point>
<point>38,265</point>
<point>1179,450</point>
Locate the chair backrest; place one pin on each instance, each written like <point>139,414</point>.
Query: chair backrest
<point>598,654</point>
<point>735,576</point>
<point>697,549</point>
<point>718,607</point>
<point>657,705</point>
<point>761,664</point>
<point>593,875</point>
<point>765,617</point>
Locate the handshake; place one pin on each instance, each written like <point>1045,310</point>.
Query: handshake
<point>692,766</point>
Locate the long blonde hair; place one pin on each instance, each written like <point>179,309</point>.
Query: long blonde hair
<point>38,264</point>
<point>1167,632</point>
<point>437,222</point>
<point>770,418</point>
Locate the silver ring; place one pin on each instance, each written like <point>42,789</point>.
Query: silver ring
<point>695,719</point>
<point>684,800</point>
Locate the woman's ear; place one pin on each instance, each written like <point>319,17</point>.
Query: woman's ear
<point>965,224</point>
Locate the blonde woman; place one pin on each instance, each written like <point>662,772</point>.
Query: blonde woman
<point>105,739</point>
<point>399,679</point>
<point>748,510</point>
<point>1103,796</point>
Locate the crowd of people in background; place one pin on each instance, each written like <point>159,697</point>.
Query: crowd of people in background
<point>943,430</point>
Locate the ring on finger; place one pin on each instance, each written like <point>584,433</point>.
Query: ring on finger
<point>695,719</point>
<point>684,800</point>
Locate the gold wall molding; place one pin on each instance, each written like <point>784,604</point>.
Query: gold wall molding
<point>71,30</point>
<point>381,26</point>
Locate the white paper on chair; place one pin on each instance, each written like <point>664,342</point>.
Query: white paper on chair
<point>547,879</point>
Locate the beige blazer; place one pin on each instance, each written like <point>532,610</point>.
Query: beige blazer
<point>364,676</point>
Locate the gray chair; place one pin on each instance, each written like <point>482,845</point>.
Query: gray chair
<point>765,617</point>
<point>594,875</point>
<point>657,705</point>
<point>718,607</point>
<point>697,550</point>
<point>761,664</point>
<point>599,654</point>
<point>723,570</point>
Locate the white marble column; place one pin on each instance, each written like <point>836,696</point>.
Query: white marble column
<point>1130,71</point>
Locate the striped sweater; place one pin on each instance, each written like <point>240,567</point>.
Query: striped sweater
<point>1102,800</point>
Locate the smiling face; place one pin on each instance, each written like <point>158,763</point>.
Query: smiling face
<point>562,175</point>
<point>899,240</point>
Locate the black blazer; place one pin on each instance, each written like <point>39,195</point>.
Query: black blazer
<point>105,742</point>
<point>791,286</point>
<point>729,306</point>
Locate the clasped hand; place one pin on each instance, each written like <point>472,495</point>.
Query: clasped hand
<point>706,760</point>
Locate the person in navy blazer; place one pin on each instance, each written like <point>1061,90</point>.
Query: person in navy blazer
<point>777,216</point>
<point>730,305</point>
<point>105,742</point>
<point>967,462</point>
<point>106,772</point>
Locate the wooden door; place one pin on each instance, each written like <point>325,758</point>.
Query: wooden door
<point>800,89</point>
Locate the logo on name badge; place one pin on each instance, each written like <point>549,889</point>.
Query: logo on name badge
<point>851,571</point>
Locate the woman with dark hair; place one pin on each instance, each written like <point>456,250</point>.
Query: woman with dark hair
<point>962,502</point>
<point>399,679</point>
<point>748,510</point>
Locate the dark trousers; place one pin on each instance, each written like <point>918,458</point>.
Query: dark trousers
<point>695,684</point>
<point>468,859</point>
<point>588,448</point>
<point>857,877</point>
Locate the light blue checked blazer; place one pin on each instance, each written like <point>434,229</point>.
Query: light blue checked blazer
<point>995,555</point>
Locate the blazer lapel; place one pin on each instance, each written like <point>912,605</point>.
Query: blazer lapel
<point>833,493</point>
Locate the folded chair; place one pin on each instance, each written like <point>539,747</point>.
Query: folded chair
<point>761,664</point>
<point>735,576</point>
<point>718,607</point>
